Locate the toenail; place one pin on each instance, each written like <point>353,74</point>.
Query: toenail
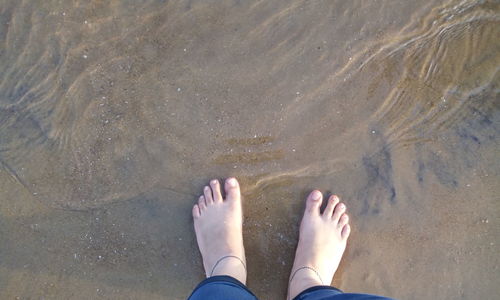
<point>231,182</point>
<point>206,188</point>
<point>214,182</point>
<point>342,205</point>
<point>316,195</point>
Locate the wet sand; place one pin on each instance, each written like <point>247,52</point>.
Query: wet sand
<point>113,115</point>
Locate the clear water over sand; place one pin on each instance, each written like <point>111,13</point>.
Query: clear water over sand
<point>114,114</point>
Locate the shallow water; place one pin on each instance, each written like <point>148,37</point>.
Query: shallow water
<point>114,114</point>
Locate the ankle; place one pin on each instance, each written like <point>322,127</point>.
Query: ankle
<point>301,280</point>
<point>230,266</point>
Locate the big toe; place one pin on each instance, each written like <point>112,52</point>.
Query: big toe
<point>313,202</point>
<point>232,190</point>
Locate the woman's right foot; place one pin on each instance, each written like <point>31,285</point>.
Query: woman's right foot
<point>322,241</point>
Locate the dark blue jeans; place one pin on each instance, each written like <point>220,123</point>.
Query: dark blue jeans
<point>228,288</point>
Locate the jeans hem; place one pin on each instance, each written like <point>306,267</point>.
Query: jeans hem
<point>315,288</point>
<point>224,278</point>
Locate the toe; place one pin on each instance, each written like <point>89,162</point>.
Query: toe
<point>343,220</point>
<point>332,201</point>
<point>207,192</point>
<point>217,196</point>
<point>313,202</point>
<point>196,211</point>
<point>345,231</point>
<point>201,203</point>
<point>232,190</point>
<point>339,210</point>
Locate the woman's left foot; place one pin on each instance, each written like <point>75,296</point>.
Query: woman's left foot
<point>218,225</point>
<point>322,241</point>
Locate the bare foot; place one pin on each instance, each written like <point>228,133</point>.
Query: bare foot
<point>322,241</point>
<point>218,227</point>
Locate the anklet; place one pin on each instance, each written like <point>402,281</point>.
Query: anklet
<point>224,257</point>
<point>302,268</point>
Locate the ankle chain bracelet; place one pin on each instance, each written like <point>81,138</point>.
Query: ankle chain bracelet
<point>224,257</point>
<point>309,268</point>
